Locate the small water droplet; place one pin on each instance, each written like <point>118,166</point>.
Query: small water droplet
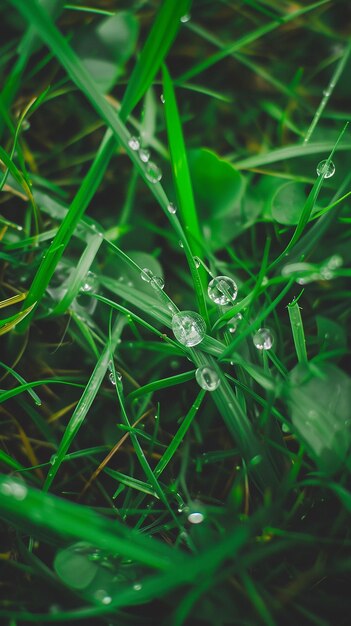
<point>153,172</point>
<point>325,170</point>
<point>146,275</point>
<point>112,379</point>
<point>25,124</point>
<point>185,18</point>
<point>137,586</point>
<point>207,378</point>
<point>285,428</point>
<point>196,517</point>
<point>95,555</point>
<point>197,262</point>
<point>234,322</point>
<point>171,208</point>
<point>180,243</point>
<point>134,143</point>
<point>102,596</point>
<point>162,98</point>
<point>189,328</point>
<point>89,283</point>
<point>326,92</point>
<point>54,459</point>
<point>144,155</point>
<point>256,460</point>
<point>263,339</point>
<point>157,282</point>
<point>222,290</point>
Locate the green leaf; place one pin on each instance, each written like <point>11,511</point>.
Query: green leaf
<point>288,203</point>
<point>105,46</point>
<point>319,400</point>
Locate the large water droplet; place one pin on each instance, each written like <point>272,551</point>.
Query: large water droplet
<point>146,275</point>
<point>234,322</point>
<point>153,172</point>
<point>157,282</point>
<point>134,143</point>
<point>207,378</point>
<point>189,328</point>
<point>89,283</point>
<point>326,170</point>
<point>222,290</point>
<point>196,517</point>
<point>144,155</point>
<point>171,208</point>
<point>263,339</point>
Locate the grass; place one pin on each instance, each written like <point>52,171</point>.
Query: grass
<point>110,448</point>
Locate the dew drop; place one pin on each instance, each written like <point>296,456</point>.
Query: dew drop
<point>207,378</point>
<point>118,376</point>
<point>185,18</point>
<point>134,143</point>
<point>25,124</point>
<point>180,243</point>
<point>325,170</point>
<point>234,322</point>
<point>189,328</point>
<point>137,586</point>
<point>162,98</point>
<point>196,517</point>
<point>285,428</point>
<point>222,290</point>
<point>102,596</point>
<point>153,172</point>
<point>16,490</point>
<point>144,155</point>
<point>89,283</point>
<point>197,262</point>
<point>146,275</point>
<point>112,379</point>
<point>263,339</point>
<point>171,208</point>
<point>157,282</point>
<point>54,459</point>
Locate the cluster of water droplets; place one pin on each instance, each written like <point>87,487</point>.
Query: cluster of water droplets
<point>148,276</point>
<point>152,172</point>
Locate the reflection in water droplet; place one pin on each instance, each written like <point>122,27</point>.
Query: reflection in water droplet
<point>222,290</point>
<point>181,245</point>
<point>196,518</point>
<point>233,323</point>
<point>146,275</point>
<point>134,143</point>
<point>326,170</point>
<point>144,155</point>
<point>153,172</point>
<point>189,328</point>
<point>157,282</point>
<point>207,378</point>
<point>263,339</point>
<point>171,208</point>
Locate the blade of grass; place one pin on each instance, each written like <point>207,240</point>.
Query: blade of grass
<point>297,330</point>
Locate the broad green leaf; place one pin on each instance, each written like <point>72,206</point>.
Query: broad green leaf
<point>319,400</point>
<point>288,202</point>
<point>105,46</point>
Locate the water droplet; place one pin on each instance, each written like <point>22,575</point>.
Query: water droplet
<point>185,18</point>
<point>54,459</point>
<point>144,155</point>
<point>180,243</point>
<point>95,555</point>
<point>325,170</point>
<point>222,289</point>
<point>256,460</point>
<point>263,339</point>
<point>197,262</point>
<point>134,143</point>
<point>334,262</point>
<point>89,283</point>
<point>112,379</point>
<point>196,517</point>
<point>189,328</point>
<point>326,92</point>
<point>16,490</point>
<point>207,378</point>
<point>157,282</point>
<point>162,98</point>
<point>171,208</point>
<point>153,172</point>
<point>25,124</point>
<point>137,586</point>
<point>285,428</point>
<point>147,275</point>
<point>234,322</point>
<point>102,596</point>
